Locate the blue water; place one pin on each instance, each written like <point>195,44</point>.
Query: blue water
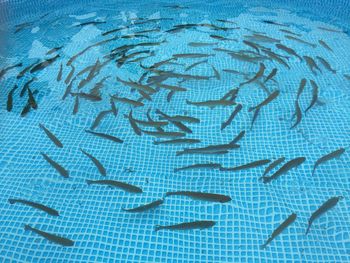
<point>92,215</point>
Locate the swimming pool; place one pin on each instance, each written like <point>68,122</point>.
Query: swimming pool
<point>189,74</point>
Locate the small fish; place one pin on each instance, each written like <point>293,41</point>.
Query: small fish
<point>114,30</point>
<point>86,96</point>
<point>325,45</point>
<point>26,109</point>
<point>124,186</point>
<point>195,64</point>
<point>199,166</point>
<point>201,44</point>
<point>192,55</point>
<point>258,75</point>
<point>347,76</point>
<point>70,75</point>
<point>232,116</point>
<point>133,124</point>
<point>44,64</point>
<point>9,104</point>
<point>238,137</point>
<point>90,23</point>
<point>273,165</point>
<point>53,50</point>
<point>164,134</point>
<point>231,95</point>
<point>99,118</point>
<point>5,70</point>
<point>209,197</point>
<point>311,64</point>
<point>276,57</point>
<point>284,169</point>
<point>329,204</point>
<point>290,32</point>
<point>181,118</point>
<point>247,166</point>
<point>211,149</point>
<point>68,89</point>
<point>252,45</point>
<point>97,163</point>
<point>216,72</point>
<point>41,207</point>
<point>178,141</point>
<point>298,114</point>
<point>59,75</point>
<point>31,99</point>
<point>262,38</point>
<point>286,223</point>
<point>26,69</point>
<point>222,38</point>
<point>178,124</point>
<point>301,87</point>
<point>187,226</point>
<point>255,116</point>
<point>60,169</point>
<point>300,41</point>
<point>271,75</point>
<point>270,98</point>
<point>26,86</point>
<point>288,50</point>
<point>105,136</point>
<point>327,157</point>
<point>314,95</point>
<point>170,87</point>
<point>76,105</point>
<point>273,23</point>
<point>145,207</point>
<point>51,237</point>
<point>330,29</point>
<point>128,101</point>
<point>326,64</point>
<point>51,136</point>
<point>211,103</point>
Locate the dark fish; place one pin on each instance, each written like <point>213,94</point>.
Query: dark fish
<point>41,207</point>
<point>211,149</point>
<point>68,89</point>
<point>124,186</point>
<point>31,99</point>
<point>314,95</point>
<point>325,45</point>
<point>271,75</point>
<point>199,166</point>
<point>177,141</point>
<point>195,64</point>
<point>9,104</point>
<point>170,95</point>
<point>301,41</point>
<point>133,124</point>
<point>51,237</point>
<point>113,107</point>
<point>270,98</point>
<point>329,204</point>
<point>70,75</point>
<point>26,86</point>
<point>231,95</point>
<point>128,101</point>
<point>26,109</point>
<point>276,57</point>
<point>290,32</point>
<point>286,223</point>
<point>301,87</point>
<point>209,197</point>
<point>238,137</point>
<point>330,29</point>
<point>247,166</point>
<point>273,23</point>
<point>201,44</point>
<point>327,157</point>
<point>97,163</point>
<point>53,50</point>
<point>284,169</point>
<point>311,64</point>
<point>59,75</point>
<point>99,118</point>
<point>211,103</point>
<point>258,75</point>
<point>288,50</point>
<point>114,30</point>
<point>298,114</point>
<point>252,45</point>
<point>86,96</point>
<point>326,64</point>
<point>222,38</point>
<point>178,124</point>
<point>90,23</point>
<point>105,136</point>
<point>51,136</point>
<point>164,134</point>
<point>44,64</point>
<point>273,165</point>
<point>187,226</point>
<point>192,55</point>
<point>137,86</point>
<point>347,76</point>
<point>62,171</point>
<point>170,87</point>
<point>232,116</point>
<point>5,70</point>
<point>262,38</point>
<point>145,207</point>
<point>76,105</point>
<point>25,70</point>
<point>216,72</point>
<point>181,118</point>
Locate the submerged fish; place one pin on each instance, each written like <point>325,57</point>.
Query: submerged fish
<point>199,166</point>
<point>164,134</point>
<point>41,207</point>
<point>195,64</point>
<point>258,75</point>
<point>232,116</point>
<point>325,45</point>
<point>270,98</point>
<point>5,70</point>
<point>9,104</point>
<point>26,69</point>
<point>51,136</point>
<point>262,38</point>
<point>124,186</point>
<point>53,50</point>
<point>314,95</point>
<point>273,165</point>
<point>59,75</point>
<point>192,55</point>
<point>96,162</point>
<point>133,124</point>
<point>300,41</point>
<point>286,223</point>
<point>326,64</point>
<point>290,32</point>
<point>298,115</point>
<point>201,44</point>
<point>131,102</point>
<point>187,226</point>
<point>181,118</point>
<point>99,118</point>
<point>311,64</point>
<point>178,124</point>
<point>145,207</point>
<point>211,103</point>
<point>60,169</point>
<point>288,50</point>
<point>51,237</point>
<point>255,116</point>
<point>329,204</point>
<point>271,75</point>
<point>327,157</point>
<point>44,64</point>
<point>178,141</point>
<point>209,197</point>
<point>247,166</point>
<point>105,136</point>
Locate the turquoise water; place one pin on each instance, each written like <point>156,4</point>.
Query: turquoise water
<point>92,215</point>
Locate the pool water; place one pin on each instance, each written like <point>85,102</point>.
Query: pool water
<point>92,215</point>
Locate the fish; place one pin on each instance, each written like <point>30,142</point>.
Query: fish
<point>31,99</point>
<point>70,75</point>
<point>329,204</point>
<point>328,157</point>
<point>286,223</point>
<point>60,169</point>
<point>270,98</point>
<point>124,186</point>
<point>326,64</point>
<point>5,70</point>
<point>90,23</point>
<point>284,169</point>
<point>273,165</point>
<point>300,41</point>
<point>164,134</point>
<point>68,89</point>
<point>247,166</point>
<point>255,116</point>
<point>114,30</point>
<point>26,69</point>
<point>301,87</point>
<point>44,64</point>
<point>9,104</point>
<point>199,166</point>
<point>59,75</point>
<point>209,197</point>
<point>195,64</point>
<point>187,226</point>
<point>128,101</point>
<point>145,207</point>
<point>137,86</point>
<point>133,124</point>
<point>311,64</point>
<point>258,75</point>
<point>238,137</point>
<point>298,114</point>
<point>53,50</point>
<point>178,124</point>
<point>330,29</point>
<point>252,45</point>
<point>222,38</point>
<point>216,72</point>
<point>211,103</point>
<point>347,76</point>
<point>288,50</point>
<point>181,118</point>
<point>99,118</point>
<point>276,57</point>
<point>271,75</point>
<point>262,38</point>
<point>325,45</point>
<point>170,95</point>
<point>96,162</point>
<point>41,207</point>
<point>177,141</point>
<point>51,237</point>
<point>76,105</point>
<point>201,44</point>
<point>26,109</point>
<point>314,95</point>
<point>86,96</point>
<point>170,87</point>
<point>105,136</point>
<point>51,136</point>
<point>26,86</point>
<point>273,23</point>
<point>231,117</point>
<point>192,55</point>
<point>231,95</point>
<point>290,32</point>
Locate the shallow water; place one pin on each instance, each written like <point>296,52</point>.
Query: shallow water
<point>92,215</point>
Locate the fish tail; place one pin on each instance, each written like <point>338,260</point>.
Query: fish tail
<point>263,246</point>
<point>89,182</point>
<point>265,179</point>
<point>27,227</point>
<point>308,229</point>
<point>251,109</point>
<point>12,201</point>
<point>158,227</point>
